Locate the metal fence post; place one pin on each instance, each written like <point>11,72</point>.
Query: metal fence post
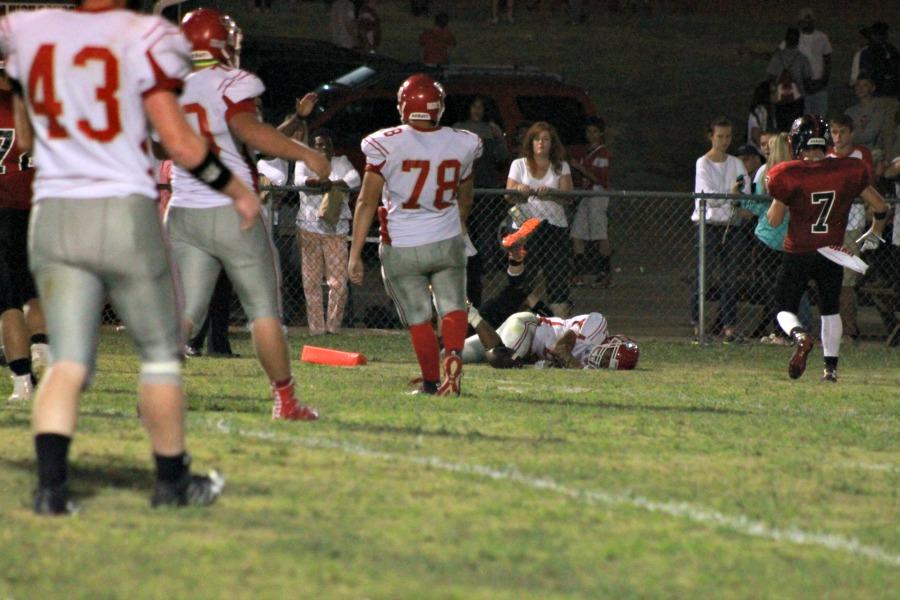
<point>701,274</point>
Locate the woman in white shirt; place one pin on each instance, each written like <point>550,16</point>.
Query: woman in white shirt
<point>323,245</point>
<point>540,172</point>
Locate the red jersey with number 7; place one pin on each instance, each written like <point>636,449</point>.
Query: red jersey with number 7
<point>84,76</point>
<point>16,173</point>
<point>819,195</point>
<point>422,170</point>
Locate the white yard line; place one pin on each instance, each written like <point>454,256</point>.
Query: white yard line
<point>872,467</point>
<point>698,514</point>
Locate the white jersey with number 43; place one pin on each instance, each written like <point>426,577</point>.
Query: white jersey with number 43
<point>211,97</point>
<point>422,170</point>
<point>590,330</point>
<point>83,76</point>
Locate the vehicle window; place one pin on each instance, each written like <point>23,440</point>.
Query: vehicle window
<point>457,109</point>
<point>564,113</point>
<point>360,118</point>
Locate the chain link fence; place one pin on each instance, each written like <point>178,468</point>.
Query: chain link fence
<point>645,288</point>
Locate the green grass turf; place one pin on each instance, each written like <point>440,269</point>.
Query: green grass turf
<point>533,484</point>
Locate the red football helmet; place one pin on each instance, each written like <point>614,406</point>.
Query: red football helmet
<point>214,36</point>
<point>617,353</point>
<point>421,98</point>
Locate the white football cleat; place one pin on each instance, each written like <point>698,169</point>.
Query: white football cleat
<point>23,390</point>
<point>40,359</point>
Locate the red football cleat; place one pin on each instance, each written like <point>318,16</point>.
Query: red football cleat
<point>452,375</point>
<point>287,408</point>
<point>798,361</point>
<point>521,234</point>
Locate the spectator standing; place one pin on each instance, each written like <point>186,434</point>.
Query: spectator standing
<point>865,32</point>
<point>767,252</point>
<point>487,212</point>
<point>762,116</point>
<point>717,172</point>
<point>437,41</point>
<point>541,171</point>
<point>323,223</point>
<point>590,224</point>
<point>881,60</point>
<point>368,26</point>
<point>868,115</point>
<point>790,72</point>
<point>343,24</point>
<point>842,136</point>
<point>816,46</point>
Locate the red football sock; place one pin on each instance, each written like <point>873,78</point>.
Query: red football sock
<point>454,327</point>
<point>425,344</point>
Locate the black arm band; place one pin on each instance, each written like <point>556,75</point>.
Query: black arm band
<point>880,216</point>
<point>212,172</point>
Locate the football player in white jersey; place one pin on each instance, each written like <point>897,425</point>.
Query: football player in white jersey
<point>220,101</point>
<point>89,81</point>
<point>581,342</point>
<point>422,174</point>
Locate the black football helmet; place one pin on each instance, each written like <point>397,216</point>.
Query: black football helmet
<point>809,131</point>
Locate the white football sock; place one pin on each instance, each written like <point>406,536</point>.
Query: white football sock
<point>832,330</point>
<point>788,321</point>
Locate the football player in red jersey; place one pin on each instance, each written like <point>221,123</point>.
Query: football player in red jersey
<point>818,193</point>
<point>17,289</point>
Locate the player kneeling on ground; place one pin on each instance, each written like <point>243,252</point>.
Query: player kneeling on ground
<point>524,338</point>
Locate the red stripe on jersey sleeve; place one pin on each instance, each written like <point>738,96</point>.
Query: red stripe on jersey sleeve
<point>372,168</point>
<point>163,81</point>
<point>235,108</point>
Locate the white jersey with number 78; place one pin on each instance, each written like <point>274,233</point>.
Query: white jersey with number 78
<point>422,170</point>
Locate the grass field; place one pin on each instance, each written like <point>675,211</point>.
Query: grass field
<point>705,473</point>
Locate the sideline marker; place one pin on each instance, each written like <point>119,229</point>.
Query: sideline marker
<point>333,358</point>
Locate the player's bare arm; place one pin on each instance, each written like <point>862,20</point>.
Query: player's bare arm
<point>302,109</point>
<point>263,137</point>
<point>366,205</point>
<point>24,132</point>
<point>562,351</point>
<point>776,212</point>
<point>189,150</point>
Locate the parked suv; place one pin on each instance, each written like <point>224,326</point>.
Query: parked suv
<point>365,100</point>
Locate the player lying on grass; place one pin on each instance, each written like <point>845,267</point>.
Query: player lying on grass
<point>525,338</point>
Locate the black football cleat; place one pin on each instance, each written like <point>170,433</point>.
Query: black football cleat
<point>53,501</point>
<point>804,345</point>
<point>190,490</point>
<point>830,376</point>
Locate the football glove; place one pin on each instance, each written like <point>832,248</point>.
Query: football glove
<point>870,241</point>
